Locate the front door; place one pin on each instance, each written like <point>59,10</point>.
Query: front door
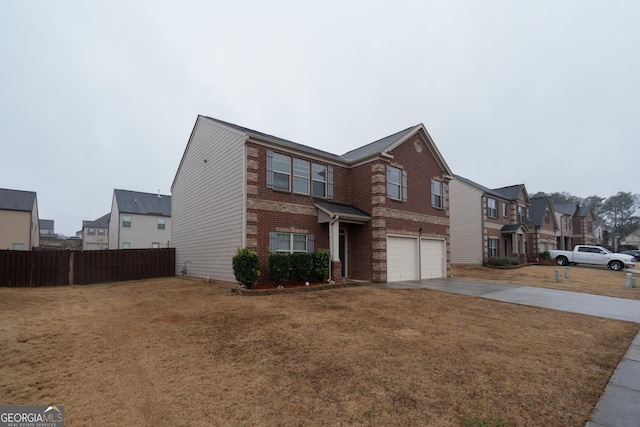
<point>342,251</point>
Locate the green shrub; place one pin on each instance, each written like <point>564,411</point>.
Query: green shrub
<point>321,263</point>
<point>279,267</point>
<point>246,267</point>
<point>301,266</point>
<point>504,261</point>
<point>544,255</point>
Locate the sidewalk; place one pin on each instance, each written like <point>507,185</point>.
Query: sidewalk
<point>619,406</point>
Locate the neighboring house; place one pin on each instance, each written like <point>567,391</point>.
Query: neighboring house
<point>95,234</point>
<point>544,225</point>
<point>381,209</point>
<point>19,222</point>
<point>139,220</point>
<point>576,225</point>
<point>487,222</point>
<point>584,226</point>
<point>632,239</point>
<point>564,217</point>
<point>47,227</point>
<point>602,234</point>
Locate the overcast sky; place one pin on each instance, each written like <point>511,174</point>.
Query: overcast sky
<point>102,95</point>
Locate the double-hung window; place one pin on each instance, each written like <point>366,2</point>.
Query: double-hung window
<point>92,232</point>
<point>126,221</point>
<point>438,197</point>
<point>396,183</point>
<point>319,180</point>
<point>493,247</point>
<point>161,223</point>
<point>300,176</point>
<point>291,242</point>
<point>281,171</point>
<point>505,209</point>
<point>492,208</point>
<point>522,214</point>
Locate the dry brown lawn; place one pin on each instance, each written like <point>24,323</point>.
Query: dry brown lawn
<point>591,280</point>
<point>176,352</point>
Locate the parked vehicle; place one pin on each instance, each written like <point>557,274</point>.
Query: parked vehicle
<point>633,252</point>
<point>597,255</point>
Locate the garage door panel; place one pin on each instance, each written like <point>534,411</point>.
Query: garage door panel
<point>433,259</point>
<point>402,257</point>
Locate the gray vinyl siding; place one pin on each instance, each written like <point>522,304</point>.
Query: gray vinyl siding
<point>466,213</point>
<point>208,202</point>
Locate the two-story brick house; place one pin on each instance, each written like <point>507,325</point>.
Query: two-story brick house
<point>543,225</point>
<point>381,209</point>
<point>488,222</point>
<point>95,233</point>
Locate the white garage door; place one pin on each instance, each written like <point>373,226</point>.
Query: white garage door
<point>402,258</point>
<point>433,262</point>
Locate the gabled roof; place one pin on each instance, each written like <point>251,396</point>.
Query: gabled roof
<point>582,212</point>
<point>538,208</point>
<point>46,224</point>
<point>512,228</point>
<point>565,208</point>
<point>264,136</point>
<point>378,146</point>
<point>381,146</point>
<point>102,222</point>
<point>143,203</point>
<point>341,209</point>
<point>511,192</point>
<point>17,200</point>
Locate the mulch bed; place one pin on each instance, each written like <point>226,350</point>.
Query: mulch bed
<point>289,288</point>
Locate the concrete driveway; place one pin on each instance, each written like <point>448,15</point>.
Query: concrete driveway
<point>619,406</point>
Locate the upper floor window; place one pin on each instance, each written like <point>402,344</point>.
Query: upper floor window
<point>438,196</point>
<point>396,183</point>
<point>291,242</point>
<point>126,221</point>
<point>589,226</point>
<point>492,208</point>
<point>505,209</point>
<point>161,223</point>
<point>91,232</point>
<point>101,232</point>
<point>547,216</point>
<point>278,171</point>
<point>319,180</point>
<point>522,214</point>
<point>300,176</point>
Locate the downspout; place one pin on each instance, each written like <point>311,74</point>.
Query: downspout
<point>334,218</point>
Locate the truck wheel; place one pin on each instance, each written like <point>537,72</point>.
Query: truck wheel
<point>616,265</point>
<point>562,260</point>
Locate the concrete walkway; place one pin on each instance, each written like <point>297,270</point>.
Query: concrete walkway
<point>619,406</point>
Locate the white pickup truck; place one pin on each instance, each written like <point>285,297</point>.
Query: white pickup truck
<point>585,254</point>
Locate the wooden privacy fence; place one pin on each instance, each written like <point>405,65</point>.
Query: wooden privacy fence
<point>34,268</point>
<point>53,268</point>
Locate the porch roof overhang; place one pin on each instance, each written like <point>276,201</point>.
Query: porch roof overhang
<point>513,228</point>
<point>329,211</point>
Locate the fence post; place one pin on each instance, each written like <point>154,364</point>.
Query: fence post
<point>71,261</point>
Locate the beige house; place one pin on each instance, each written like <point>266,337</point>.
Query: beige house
<point>19,225</point>
<point>632,239</point>
<point>486,222</point>
<point>139,220</point>
<point>95,234</point>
